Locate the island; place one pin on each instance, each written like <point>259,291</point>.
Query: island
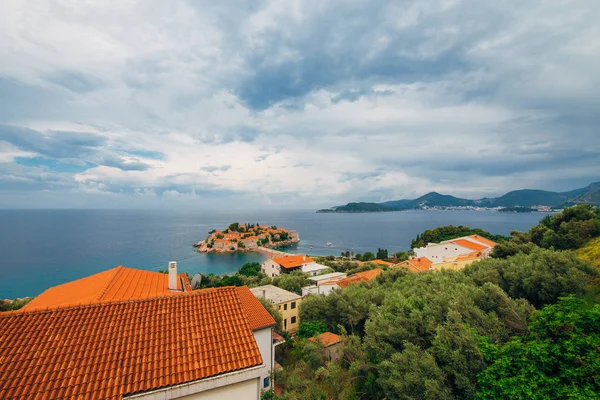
<point>246,237</point>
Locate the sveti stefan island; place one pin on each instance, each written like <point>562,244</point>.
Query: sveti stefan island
<point>299,201</point>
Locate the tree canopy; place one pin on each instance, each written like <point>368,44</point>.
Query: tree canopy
<point>559,358</point>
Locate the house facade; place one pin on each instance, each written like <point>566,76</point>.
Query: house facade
<point>287,303</point>
<point>323,284</point>
<point>279,265</point>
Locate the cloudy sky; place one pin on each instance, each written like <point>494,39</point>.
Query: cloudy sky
<point>294,104</point>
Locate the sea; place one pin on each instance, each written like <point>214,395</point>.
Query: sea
<point>44,248</point>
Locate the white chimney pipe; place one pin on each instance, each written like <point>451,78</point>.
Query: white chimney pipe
<point>172,275</point>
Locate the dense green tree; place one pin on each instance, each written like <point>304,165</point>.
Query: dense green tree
<point>293,281</point>
<point>274,313</point>
<point>311,328</point>
<point>541,276</point>
<point>250,269</point>
<point>382,254</point>
<point>402,255</point>
<point>13,305</point>
<point>368,256</point>
<point>558,359</point>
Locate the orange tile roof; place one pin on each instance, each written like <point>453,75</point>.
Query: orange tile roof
<point>110,350</point>
<point>483,240</point>
<point>250,238</point>
<point>115,284</point>
<point>419,264</point>
<point>327,338</point>
<point>359,277</point>
<point>293,261</point>
<point>381,262</point>
<point>469,245</point>
<point>258,316</point>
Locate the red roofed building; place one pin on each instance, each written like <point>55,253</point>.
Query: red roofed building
<point>300,262</point>
<point>440,252</point>
<point>123,333</point>
<point>418,264</point>
<point>364,276</point>
<point>332,344</point>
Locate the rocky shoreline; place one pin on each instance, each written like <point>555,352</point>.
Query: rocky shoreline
<point>246,237</point>
<point>202,247</point>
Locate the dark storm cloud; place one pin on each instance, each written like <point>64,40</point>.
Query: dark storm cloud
<point>55,144</point>
<point>364,43</point>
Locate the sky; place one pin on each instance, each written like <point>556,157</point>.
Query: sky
<point>293,104</point>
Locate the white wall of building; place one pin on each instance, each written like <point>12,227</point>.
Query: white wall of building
<point>437,252</point>
<point>235,385</point>
<point>249,389</point>
<point>270,268</point>
<point>264,340</point>
<point>320,289</point>
<point>313,269</point>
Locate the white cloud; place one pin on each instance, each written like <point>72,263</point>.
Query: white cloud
<point>305,104</point>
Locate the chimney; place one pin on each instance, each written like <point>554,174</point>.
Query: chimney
<point>303,258</point>
<point>264,293</point>
<point>173,275</point>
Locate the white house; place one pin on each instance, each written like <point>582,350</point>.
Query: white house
<point>437,252</point>
<point>276,266</point>
<point>323,284</point>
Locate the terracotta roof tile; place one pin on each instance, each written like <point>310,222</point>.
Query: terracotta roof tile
<point>469,245</point>
<point>327,338</point>
<point>418,264</point>
<point>358,277</point>
<point>258,316</point>
<point>108,350</point>
<point>115,284</point>
<point>381,262</point>
<point>483,240</point>
<point>293,261</point>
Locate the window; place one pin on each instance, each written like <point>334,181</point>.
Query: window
<point>285,306</point>
<point>279,307</point>
<point>293,320</point>
<point>285,324</point>
<point>266,382</point>
<point>293,305</point>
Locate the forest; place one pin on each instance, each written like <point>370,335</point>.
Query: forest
<point>523,324</point>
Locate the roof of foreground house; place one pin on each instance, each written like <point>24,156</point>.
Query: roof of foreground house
<point>113,349</point>
<point>293,261</point>
<point>115,284</point>
<point>258,316</point>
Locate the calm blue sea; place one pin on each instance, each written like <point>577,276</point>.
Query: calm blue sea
<point>43,248</point>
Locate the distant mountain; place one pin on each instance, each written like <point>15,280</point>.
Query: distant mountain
<point>517,198</point>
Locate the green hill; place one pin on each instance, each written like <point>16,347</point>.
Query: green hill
<point>515,198</point>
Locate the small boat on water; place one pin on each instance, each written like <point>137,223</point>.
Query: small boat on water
<point>329,244</point>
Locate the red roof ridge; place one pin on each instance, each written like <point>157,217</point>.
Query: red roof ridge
<point>113,302</point>
<point>103,291</point>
